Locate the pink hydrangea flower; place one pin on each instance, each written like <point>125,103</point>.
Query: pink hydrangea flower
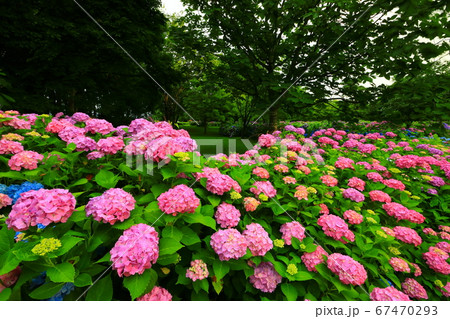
<point>55,126</point>
<point>388,231</point>
<point>417,270</point>
<point>198,270</point>
<point>250,204</point>
<point>113,205</point>
<point>157,294</point>
<point>229,244</point>
<point>265,187</point>
<point>402,213</point>
<point>301,192</point>
<point>374,177</point>
<point>161,148</point>
<point>292,229</point>
<point>357,183</point>
<point>43,206</point>
<point>281,168</point>
<point>379,196</point>
<point>335,227</point>
<point>258,239</point>
<point>221,183</point>
<point>388,294</point>
<point>436,262</point>
<point>353,217</point>
<point>110,145</point>
<point>179,199</point>
<point>25,159</point>
<point>407,235</point>
<point>329,180</point>
<point>10,278</point>
<point>261,172</point>
<point>95,155</point>
<point>289,180</point>
<point>227,215</point>
<point>399,264</point>
<point>324,209</point>
<point>5,200</point>
<point>265,277</point>
<point>267,140</point>
<point>10,147</point>
<point>69,132</point>
<point>135,251</point>
<point>393,183</point>
<point>344,162</point>
<point>99,126</point>
<point>353,195</point>
<point>83,143</point>
<point>445,292</point>
<point>314,258</point>
<point>443,246</point>
<point>138,125</point>
<point>80,117</point>
<point>350,271</point>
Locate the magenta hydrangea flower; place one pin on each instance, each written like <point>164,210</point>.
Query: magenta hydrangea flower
<point>69,132</point>
<point>25,159</point>
<point>388,294</point>
<point>110,145</point>
<point>413,289</point>
<point>10,147</point>
<point>357,183</point>
<point>267,140</point>
<point>265,277</point>
<point>443,246</point>
<point>265,187</point>
<point>350,271</point>
<point>353,217</point>
<point>329,180</point>
<point>99,126</point>
<point>314,258</point>
<point>5,200</point>
<point>80,117</point>
<point>250,204</point>
<point>393,183</point>
<point>292,229</point>
<point>353,195</point>
<point>335,227</point>
<point>281,168</point>
<point>407,235</point>
<point>157,294</point>
<point>43,206</point>
<point>374,176</point>
<point>399,264</point>
<point>261,172</point>
<point>95,155</point>
<point>436,262</point>
<point>113,205</point>
<point>135,251</point>
<point>437,181</point>
<point>227,215</point>
<point>258,239</point>
<point>229,244</point>
<point>402,213</point>
<point>179,199</point>
<point>198,270</point>
<point>83,143</point>
<point>379,196</point>
<point>221,183</point>
<point>344,162</point>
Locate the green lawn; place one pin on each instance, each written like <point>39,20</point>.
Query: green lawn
<point>212,142</point>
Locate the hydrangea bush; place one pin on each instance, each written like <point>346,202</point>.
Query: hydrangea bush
<point>95,212</point>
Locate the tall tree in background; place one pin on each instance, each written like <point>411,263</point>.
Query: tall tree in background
<point>264,46</point>
<point>57,59</point>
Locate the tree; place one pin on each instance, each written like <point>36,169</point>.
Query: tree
<point>332,46</point>
<point>58,59</point>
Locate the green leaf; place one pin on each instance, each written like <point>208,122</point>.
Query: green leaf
<point>172,232</point>
<point>64,272</point>
<point>189,236</point>
<point>83,280</point>
<point>168,172</point>
<point>218,286</point>
<point>220,269</point>
<point>79,182</point>
<point>5,294</point>
<point>8,262</point>
<point>137,284</point>
<point>201,285</point>
<point>67,243</point>
<point>289,291</point>
<point>106,179</point>
<point>168,259</point>
<point>214,200</point>
<point>168,246</point>
<point>6,240</point>
<point>158,189</point>
<point>46,291</point>
<point>197,218</point>
<point>302,276</point>
<point>101,290</point>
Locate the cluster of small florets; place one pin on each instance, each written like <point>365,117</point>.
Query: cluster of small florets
<point>301,192</point>
<point>258,239</point>
<point>357,183</point>
<point>110,145</point>
<point>83,143</point>
<point>436,260</point>
<point>25,159</point>
<point>157,294</point>
<point>179,199</point>
<point>98,126</point>
<point>329,180</point>
<point>292,229</point>
<point>265,277</point>
<point>281,168</point>
<point>45,246</point>
<point>10,147</point>
<point>250,204</point>
<point>399,264</point>
<point>227,215</point>
<point>265,187</point>
<point>353,217</point>
<point>69,132</point>
<point>344,162</point>
<point>198,270</point>
<point>336,228</point>
<point>221,183</point>
<point>113,205</point>
<point>267,140</point>
<point>388,294</point>
<point>374,176</point>
<point>407,235</point>
<point>379,196</point>
<point>135,251</point>
<point>229,244</point>
<point>353,195</point>
<point>314,258</point>
<point>402,213</point>
<point>261,172</point>
<point>5,200</point>
<point>289,180</point>
<point>393,183</point>
<point>350,271</point>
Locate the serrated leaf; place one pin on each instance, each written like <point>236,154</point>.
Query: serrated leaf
<point>83,280</point>
<point>189,236</point>
<point>137,284</point>
<point>169,246</point>
<point>64,272</point>
<point>200,219</point>
<point>220,269</point>
<point>106,179</point>
<point>172,232</point>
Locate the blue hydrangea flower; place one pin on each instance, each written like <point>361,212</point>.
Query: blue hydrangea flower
<point>3,188</point>
<point>64,291</point>
<point>14,191</point>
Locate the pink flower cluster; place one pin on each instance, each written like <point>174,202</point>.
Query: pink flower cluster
<point>221,183</point>
<point>83,143</point>
<point>227,215</point>
<point>344,162</point>
<point>407,235</point>
<point>261,172</point>
<point>198,270</point>
<point>301,192</point>
<point>374,176</point>
<point>353,195</point>
<point>5,200</point>
<point>336,228</point>
<point>179,199</point>
<point>413,289</point>
<point>113,205</point>
<point>399,264</point>
<point>353,217</point>
<point>329,180</point>
<point>314,258</point>
<point>157,294</point>
<point>10,147</point>
<point>229,244</point>
<point>289,180</point>
<point>99,126</point>
<point>258,239</point>
<point>393,183</point>
<point>292,229</point>
<point>388,294</point>
<point>357,183</point>
<point>25,159</point>
<point>43,206</point>
<point>251,204</point>
<point>350,271</point>
<point>265,187</point>
<point>436,260</point>
<point>281,168</point>
<point>110,145</point>
<point>135,251</point>
<point>379,196</point>
<point>265,277</point>
<point>402,213</point>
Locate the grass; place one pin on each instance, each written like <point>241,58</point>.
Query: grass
<point>212,142</point>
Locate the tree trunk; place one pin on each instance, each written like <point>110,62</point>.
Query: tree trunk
<point>71,101</point>
<point>273,112</point>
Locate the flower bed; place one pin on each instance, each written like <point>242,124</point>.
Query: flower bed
<point>95,212</point>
